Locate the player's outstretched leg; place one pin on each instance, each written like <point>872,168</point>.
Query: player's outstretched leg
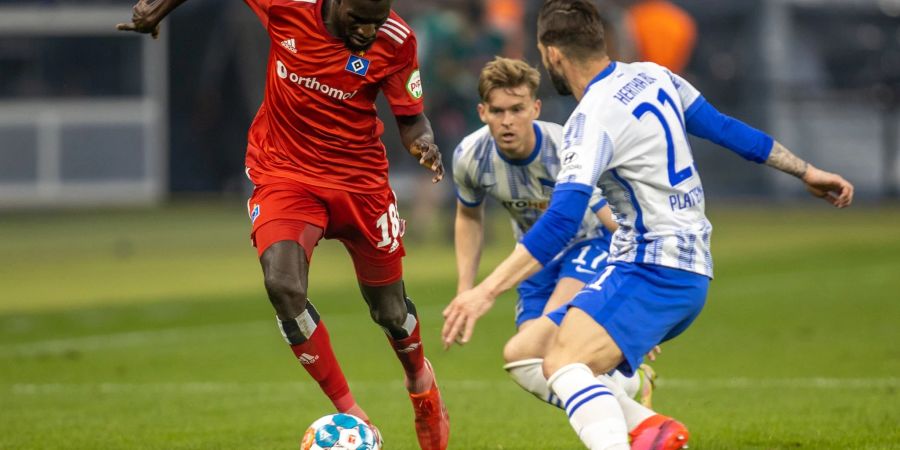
<point>285,268</point>
<point>396,314</point>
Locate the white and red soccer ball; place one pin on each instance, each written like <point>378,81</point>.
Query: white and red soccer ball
<point>340,432</point>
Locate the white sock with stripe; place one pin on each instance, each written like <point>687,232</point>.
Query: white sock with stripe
<point>593,409</point>
<point>529,374</point>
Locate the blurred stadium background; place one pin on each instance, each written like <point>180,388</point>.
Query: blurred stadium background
<point>132,313</point>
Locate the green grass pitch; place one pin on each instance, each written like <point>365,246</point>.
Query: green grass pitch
<point>151,330</point>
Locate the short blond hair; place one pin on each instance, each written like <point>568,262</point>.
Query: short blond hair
<point>505,73</point>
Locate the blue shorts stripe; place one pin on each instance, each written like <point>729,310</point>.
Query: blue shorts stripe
<point>587,399</point>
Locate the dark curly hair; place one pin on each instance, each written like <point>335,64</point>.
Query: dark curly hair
<point>573,26</point>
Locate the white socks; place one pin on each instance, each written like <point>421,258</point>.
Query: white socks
<point>631,385</point>
<point>593,409</point>
<point>529,374</point>
<point>634,412</point>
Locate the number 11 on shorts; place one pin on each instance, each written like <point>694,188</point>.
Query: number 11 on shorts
<point>390,225</point>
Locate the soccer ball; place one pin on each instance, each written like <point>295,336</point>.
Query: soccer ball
<point>339,432</point>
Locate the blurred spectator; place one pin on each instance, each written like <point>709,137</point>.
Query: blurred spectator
<point>456,38</point>
<point>508,18</point>
<point>651,30</point>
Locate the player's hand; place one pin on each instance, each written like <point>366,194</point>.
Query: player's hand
<point>429,157</point>
<point>462,313</point>
<point>828,186</point>
<point>651,355</point>
<point>143,19</point>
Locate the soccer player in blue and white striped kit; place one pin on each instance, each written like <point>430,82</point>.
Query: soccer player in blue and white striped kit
<point>627,135</point>
<point>514,159</point>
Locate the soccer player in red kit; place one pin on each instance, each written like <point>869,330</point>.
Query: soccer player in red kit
<point>319,169</point>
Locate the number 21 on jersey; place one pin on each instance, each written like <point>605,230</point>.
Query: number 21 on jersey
<point>675,176</point>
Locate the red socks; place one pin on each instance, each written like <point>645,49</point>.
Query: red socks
<point>410,352</point>
<point>318,359</point>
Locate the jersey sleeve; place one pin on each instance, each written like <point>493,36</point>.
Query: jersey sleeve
<point>587,152</point>
<point>688,93</point>
<point>556,227</point>
<point>403,86</point>
<point>703,120</point>
<point>261,9</point>
<point>467,190</point>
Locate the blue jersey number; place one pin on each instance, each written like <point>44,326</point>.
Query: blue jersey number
<point>675,176</point>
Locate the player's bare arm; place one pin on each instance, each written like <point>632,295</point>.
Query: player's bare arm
<point>606,218</point>
<point>147,14</point>
<point>418,138</point>
<point>462,313</point>
<point>468,239</point>
<point>831,187</point>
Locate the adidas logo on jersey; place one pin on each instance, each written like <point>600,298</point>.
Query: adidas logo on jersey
<point>290,44</point>
<point>307,359</point>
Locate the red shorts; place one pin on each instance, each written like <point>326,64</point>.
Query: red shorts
<point>367,224</point>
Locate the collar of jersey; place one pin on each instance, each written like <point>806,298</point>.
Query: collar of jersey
<point>538,141</point>
<point>603,74</point>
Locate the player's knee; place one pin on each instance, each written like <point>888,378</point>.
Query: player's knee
<point>552,363</point>
<point>389,315</point>
<point>287,295</point>
<point>517,349</point>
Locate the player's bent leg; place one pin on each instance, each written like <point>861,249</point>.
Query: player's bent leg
<point>285,268</point>
<point>582,349</point>
<point>285,272</point>
<point>396,314</point>
<point>531,341</point>
<point>637,385</point>
<point>523,355</point>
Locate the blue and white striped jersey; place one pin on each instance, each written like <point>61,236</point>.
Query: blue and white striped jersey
<point>524,186</point>
<point>628,137</point>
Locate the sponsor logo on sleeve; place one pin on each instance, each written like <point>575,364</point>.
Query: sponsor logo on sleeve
<point>414,85</point>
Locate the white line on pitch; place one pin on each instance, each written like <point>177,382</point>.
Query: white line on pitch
<point>218,387</point>
<point>135,338</point>
<point>122,340</point>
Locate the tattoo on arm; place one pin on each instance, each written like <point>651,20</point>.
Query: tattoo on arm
<point>782,159</point>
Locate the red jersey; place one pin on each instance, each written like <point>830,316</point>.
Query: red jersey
<point>317,123</point>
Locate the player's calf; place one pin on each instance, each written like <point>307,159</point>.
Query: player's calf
<point>311,344</point>
<point>396,315</point>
